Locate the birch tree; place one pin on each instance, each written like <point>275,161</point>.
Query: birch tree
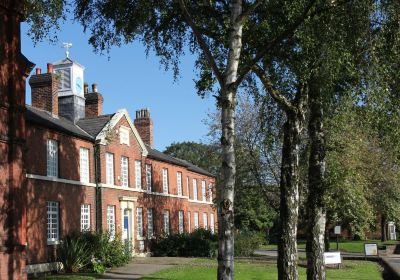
<point>213,31</point>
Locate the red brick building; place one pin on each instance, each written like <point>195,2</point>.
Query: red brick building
<point>89,171</point>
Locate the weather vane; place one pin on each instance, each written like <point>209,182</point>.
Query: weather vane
<point>67,46</point>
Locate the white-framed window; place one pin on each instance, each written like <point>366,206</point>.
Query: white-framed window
<point>205,221</point>
<point>150,222</point>
<point>65,78</point>
<point>52,158</point>
<point>212,222</point>
<point>124,171</point>
<point>84,164</point>
<point>85,217</point>
<point>180,221</point>
<point>139,221</point>
<point>124,135</point>
<point>165,180</point>
<point>149,179</point>
<point>166,222</point>
<point>111,220</point>
<point>196,220</point>
<point>210,192</point>
<point>109,169</point>
<point>203,190</point>
<point>179,182</point>
<point>194,189</point>
<point>187,186</point>
<point>138,174</point>
<point>189,222</point>
<point>53,225</point>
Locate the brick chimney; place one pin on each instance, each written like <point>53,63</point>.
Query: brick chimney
<point>144,126</point>
<point>45,90</point>
<point>94,102</point>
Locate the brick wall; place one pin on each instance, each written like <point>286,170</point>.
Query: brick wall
<point>45,92</point>
<point>93,104</point>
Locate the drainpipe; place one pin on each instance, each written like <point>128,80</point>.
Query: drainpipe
<point>97,178</point>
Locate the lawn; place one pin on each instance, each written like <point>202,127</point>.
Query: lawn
<point>206,269</point>
<point>344,245</point>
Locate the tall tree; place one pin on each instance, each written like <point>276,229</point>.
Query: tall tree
<point>213,30</point>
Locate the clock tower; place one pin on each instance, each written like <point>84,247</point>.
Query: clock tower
<point>71,100</point>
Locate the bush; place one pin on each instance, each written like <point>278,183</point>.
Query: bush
<point>247,242</point>
<point>94,251</point>
<point>73,253</point>
<point>199,243</point>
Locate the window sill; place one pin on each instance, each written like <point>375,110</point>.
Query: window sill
<point>53,242</point>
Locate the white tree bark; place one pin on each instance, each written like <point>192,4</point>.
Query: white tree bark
<point>227,103</point>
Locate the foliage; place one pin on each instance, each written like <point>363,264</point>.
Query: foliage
<point>247,242</point>
<point>74,253</point>
<point>199,243</point>
<point>107,251</point>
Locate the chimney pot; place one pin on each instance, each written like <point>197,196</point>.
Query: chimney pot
<point>94,87</point>
<point>38,71</point>
<point>86,88</point>
<point>49,68</point>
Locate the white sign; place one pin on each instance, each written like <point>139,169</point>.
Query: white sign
<point>332,258</point>
<point>338,230</point>
<point>371,249</point>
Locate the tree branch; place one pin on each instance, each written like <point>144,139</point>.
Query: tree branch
<point>283,102</point>
<point>244,15</point>
<point>203,45</point>
<point>287,33</point>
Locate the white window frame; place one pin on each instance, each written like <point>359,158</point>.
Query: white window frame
<point>212,223</point>
<point>110,169</point>
<point>210,192</point>
<point>138,174</point>
<point>181,222</point>
<point>189,222</point>
<point>84,164</point>
<point>85,217</point>
<point>52,158</point>
<point>111,221</point>
<point>194,182</point>
<point>149,177</point>
<point>179,182</point>
<point>139,221</point>
<point>203,190</point>
<point>166,222</point>
<point>165,180</point>
<point>205,220</point>
<point>196,220</point>
<point>150,222</point>
<point>187,186</point>
<point>53,221</point>
<point>124,135</point>
<point>124,171</point>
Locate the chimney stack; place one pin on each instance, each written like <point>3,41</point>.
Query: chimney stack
<point>45,90</point>
<point>144,125</point>
<point>85,88</point>
<point>94,102</point>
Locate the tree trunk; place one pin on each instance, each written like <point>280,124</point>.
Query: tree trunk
<point>227,103</point>
<point>289,199</point>
<point>316,214</point>
<point>383,228</point>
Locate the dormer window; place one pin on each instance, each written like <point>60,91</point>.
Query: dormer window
<point>124,135</point>
<point>65,78</point>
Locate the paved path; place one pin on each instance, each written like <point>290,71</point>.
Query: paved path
<point>140,267</point>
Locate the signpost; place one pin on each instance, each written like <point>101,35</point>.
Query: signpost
<point>337,231</point>
<point>371,249</point>
<point>332,258</point>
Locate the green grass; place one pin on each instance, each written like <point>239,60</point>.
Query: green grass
<point>344,245</point>
<point>206,269</point>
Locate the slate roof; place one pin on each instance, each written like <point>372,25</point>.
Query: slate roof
<point>61,124</point>
<point>155,154</point>
<point>94,125</point>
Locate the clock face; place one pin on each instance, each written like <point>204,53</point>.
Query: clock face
<point>78,85</point>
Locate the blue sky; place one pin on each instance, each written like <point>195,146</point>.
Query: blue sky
<point>128,79</point>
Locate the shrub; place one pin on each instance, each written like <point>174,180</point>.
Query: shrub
<point>73,253</point>
<point>247,242</point>
<point>199,243</point>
